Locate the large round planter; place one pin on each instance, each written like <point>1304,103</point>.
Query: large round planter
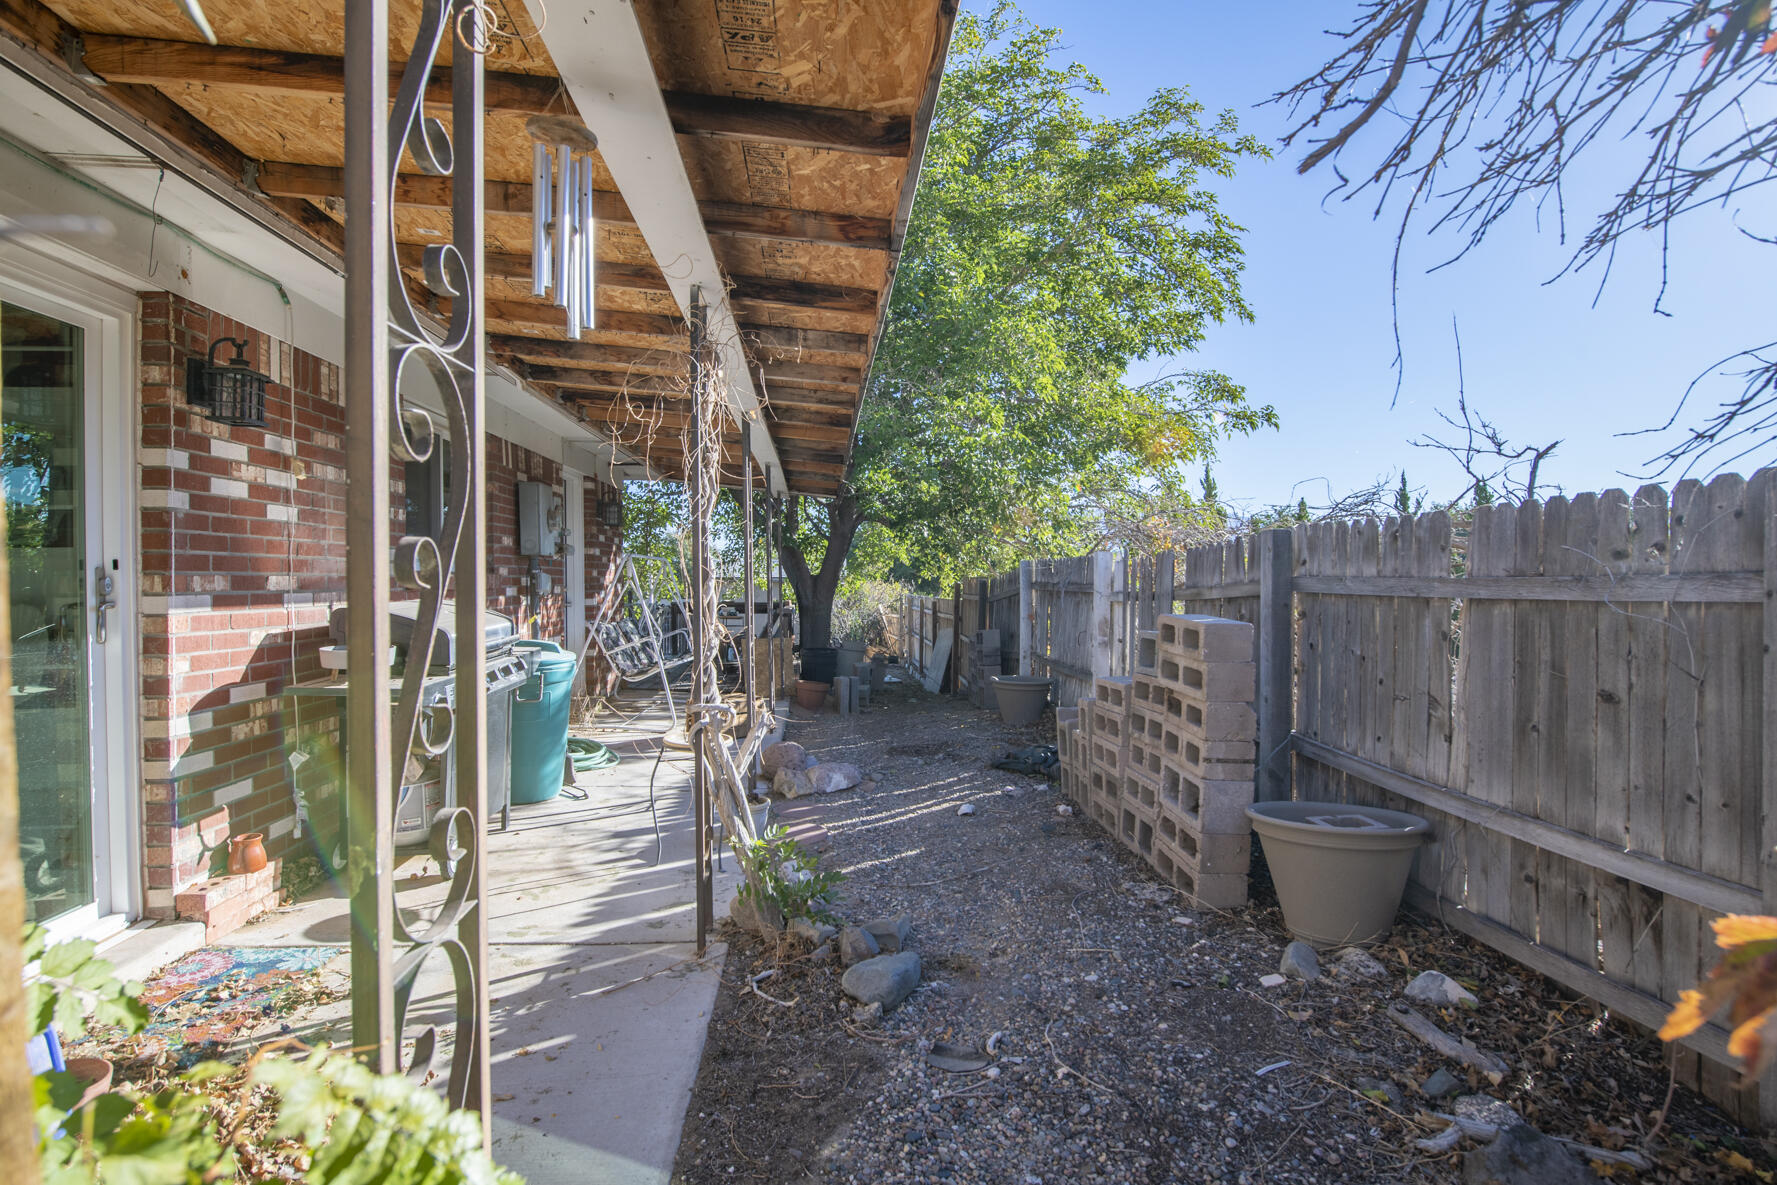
<point>1339,868</point>
<point>819,663</point>
<point>811,695</point>
<point>1021,698</point>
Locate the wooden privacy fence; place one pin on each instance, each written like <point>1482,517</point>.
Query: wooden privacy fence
<point>1583,710</point>
<point>1579,694</point>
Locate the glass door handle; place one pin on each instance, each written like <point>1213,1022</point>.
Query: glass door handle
<point>103,587</point>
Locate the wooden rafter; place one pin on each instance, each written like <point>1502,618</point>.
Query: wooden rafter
<point>324,182</point>
<point>153,62</point>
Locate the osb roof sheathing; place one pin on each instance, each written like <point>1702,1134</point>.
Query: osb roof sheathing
<point>875,58</point>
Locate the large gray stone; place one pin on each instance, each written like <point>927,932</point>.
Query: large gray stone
<point>1521,1155</point>
<point>780,755</point>
<point>884,980</point>
<point>890,933</point>
<point>792,782</point>
<point>832,776</point>
<point>1357,963</point>
<point>856,945</point>
<point>1434,987</point>
<point>1300,961</point>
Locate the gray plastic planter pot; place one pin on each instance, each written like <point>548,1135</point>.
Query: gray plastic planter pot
<point>1339,868</point>
<point>1021,698</point>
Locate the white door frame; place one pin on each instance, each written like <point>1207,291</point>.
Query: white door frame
<point>107,316</point>
<point>573,568</point>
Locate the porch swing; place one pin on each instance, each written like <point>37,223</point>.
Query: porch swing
<point>629,636</point>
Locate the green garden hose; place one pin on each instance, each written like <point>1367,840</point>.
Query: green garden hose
<point>588,755</point>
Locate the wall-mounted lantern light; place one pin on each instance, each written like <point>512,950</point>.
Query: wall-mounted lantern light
<point>234,393</point>
<point>611,511</point>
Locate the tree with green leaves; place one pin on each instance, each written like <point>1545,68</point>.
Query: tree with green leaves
<point>1048,251</point>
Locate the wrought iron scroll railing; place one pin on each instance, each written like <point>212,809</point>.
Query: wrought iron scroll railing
<point>387,345</point>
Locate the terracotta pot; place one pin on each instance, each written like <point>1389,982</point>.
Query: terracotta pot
<point>811,695</point>
<point>246,853</point>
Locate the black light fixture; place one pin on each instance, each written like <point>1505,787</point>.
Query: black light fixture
<point>611,510</point>
<point>233,394</point>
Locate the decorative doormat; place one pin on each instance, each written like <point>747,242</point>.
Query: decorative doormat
<point>204,1002</point>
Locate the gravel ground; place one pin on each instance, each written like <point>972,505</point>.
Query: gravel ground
<point>1135,1041</point>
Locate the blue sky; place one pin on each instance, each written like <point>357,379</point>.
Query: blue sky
<point>1540,360</point>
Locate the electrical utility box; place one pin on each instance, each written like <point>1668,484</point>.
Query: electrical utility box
<point>539,519</point>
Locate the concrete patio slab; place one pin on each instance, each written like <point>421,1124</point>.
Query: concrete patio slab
<point>599,1002</point>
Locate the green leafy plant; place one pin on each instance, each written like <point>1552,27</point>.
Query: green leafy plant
<point>316,1114</point>
<point>782,873</point>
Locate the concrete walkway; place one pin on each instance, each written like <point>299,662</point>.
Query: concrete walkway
<point>600,1005</point>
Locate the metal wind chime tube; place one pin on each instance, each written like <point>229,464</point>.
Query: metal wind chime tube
<point>541,216</point>
<point>385,335</point>
<point>564,231</point>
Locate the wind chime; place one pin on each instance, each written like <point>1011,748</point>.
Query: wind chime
<point>562,221</point>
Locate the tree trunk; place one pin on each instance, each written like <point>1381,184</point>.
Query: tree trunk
<point>815,587</point>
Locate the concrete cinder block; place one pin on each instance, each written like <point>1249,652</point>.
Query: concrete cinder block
<point>1216,855</point>
<point>1142,791</point>
<point>1229,761</point>
<point>1143,757</point>
<point>1212,722</point>
<point>1113,691</point>
<point>1147,691</point>
<point>1147,652</point>
<point>1219,892</point>
<point>1206,807</point>
<point>1202,638</point>
<point>1210,682</point>
<point>1108,723</point>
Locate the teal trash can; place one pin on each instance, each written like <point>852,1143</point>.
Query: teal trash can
<point>540,724</point>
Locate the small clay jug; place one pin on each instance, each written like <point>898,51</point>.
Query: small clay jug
<point>246,853</point>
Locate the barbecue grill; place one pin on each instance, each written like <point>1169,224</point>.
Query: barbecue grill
<point>429,786</point>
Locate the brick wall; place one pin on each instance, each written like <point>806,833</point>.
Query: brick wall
<point>243,558</point>
<point>509,584</point>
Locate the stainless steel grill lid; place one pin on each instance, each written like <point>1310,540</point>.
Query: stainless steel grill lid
<point>498,631</point>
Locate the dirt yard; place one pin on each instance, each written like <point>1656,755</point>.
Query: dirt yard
<point>1132,1038</point>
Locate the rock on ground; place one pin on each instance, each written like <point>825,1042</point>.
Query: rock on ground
<point>1441,1084</point>
<point>1434,987</point>
<point>1300,961</point>
<point>884,980</point>
<point>784,754</point>
<point>890,933</point>
<point>1521,1155</point>
<point>1357,962</point>
<point>833,776</point>
<point>856,945</point>
<point>792,782</point>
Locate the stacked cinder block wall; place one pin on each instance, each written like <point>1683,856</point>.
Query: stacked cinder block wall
<point>242,561</point>
<point>1164,759</point>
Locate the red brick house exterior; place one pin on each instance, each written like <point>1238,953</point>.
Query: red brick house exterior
<point>242,560</point>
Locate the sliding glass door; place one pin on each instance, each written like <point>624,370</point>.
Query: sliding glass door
<point>59,618</point>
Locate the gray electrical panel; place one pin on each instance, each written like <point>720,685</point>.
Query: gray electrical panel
<point>538,513</point>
